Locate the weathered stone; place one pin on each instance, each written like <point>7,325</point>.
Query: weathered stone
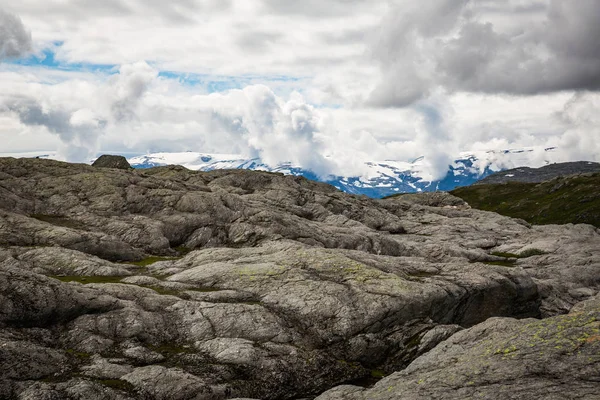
<point>273,287</point>
<point>555,358</point>
<point>111,161</point>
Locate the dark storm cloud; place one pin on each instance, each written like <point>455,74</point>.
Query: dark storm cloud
<point>15,40</point>
<point>446,44</point>
<point>31,113</point>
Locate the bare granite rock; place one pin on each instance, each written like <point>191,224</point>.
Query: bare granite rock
<point>259,285</point>
<point>111,161</point>
<point>502,358</point>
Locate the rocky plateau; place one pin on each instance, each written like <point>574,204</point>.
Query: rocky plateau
<point>167,283</point>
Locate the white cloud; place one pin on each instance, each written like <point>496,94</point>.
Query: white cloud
<point>15,40</point>
<point>453,44</point>
<point>327,85</point>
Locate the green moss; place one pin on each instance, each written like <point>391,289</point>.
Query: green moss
<point>378,373</point>
<point>505,255</point>
<point>574,199</point>
<point>170,349</point>
<point>59,221</point>
<point>78,354</point>
<point>531,253</point>
<point>414,341</point>
<point>524,254</point>
<point>150,260</point>
<point>182,250</point>
<point>118,384</point>
<point>422,274</point>
<point>163,291</point>
<point>504,263</point>
<point>204,289</point>
<point>250,303</point>
<point>89,279</point>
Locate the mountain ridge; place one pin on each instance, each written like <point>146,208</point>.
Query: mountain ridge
<point>542,174</point>
<point>382,179</point>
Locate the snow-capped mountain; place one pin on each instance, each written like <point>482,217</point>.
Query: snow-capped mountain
<point>382,178</point>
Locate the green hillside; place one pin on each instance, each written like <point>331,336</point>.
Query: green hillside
<point>572,199</point>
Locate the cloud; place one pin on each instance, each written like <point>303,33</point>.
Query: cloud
<point>78,130</point>
<point>126,88</point>
<point>138,108</point>
<point>315,8</point>
<point>79,113</point>
<point>580,140</point>
<point>340,88</point>
<point>15,40</point>
<point>450,44</point>
<point>272,128</point>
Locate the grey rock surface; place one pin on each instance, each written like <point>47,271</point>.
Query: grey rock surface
<point>502,358</point>
<point>245,284</point>
<point>111,161</point>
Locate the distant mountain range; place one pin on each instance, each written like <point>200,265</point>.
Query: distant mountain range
<point>545,173</point>
<point>383,178</point>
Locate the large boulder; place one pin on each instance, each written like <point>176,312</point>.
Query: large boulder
<point>502,358</point>
<point>111,161</point>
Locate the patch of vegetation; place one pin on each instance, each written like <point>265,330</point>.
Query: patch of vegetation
<point>163,291</point>
<point>378,373</point>
<point>118,384</point>
<point>524,254</point>
<point>204,289</point>
<point>573,199</point>
<point>250,302</point>
<point>422,274</point>
<point>150,260</point>
<point>89,279</point>
<point>167,349</point>
<point>503,254</point>
<point>531,253</point>
<point>78,354</point>
<point>504,263</point>
<point>182,250</point>
<point>59,221</point>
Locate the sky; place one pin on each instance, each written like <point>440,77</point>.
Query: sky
<point>326,85</point>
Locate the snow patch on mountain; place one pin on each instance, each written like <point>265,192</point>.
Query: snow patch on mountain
<point>382,178</point>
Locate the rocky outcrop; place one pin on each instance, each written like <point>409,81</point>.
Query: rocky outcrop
<point>502,358</point>
<point>110,161</point>
<point>167,283</point>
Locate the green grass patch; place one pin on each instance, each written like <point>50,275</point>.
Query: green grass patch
<point>164,291</point>
<point>204,289</point>
<point>505,255</point>
<point>378,373</point>
<point>117,279</point>
<point>170,349</point>
<point>531,253</point>
<point>150,260</point>
<point>58,220</point>
<point>524,254</point>
<point>572,199</point>
<point>78,354</point>
<point>422,274</point>
<point>504,263</point>
<point>182,250</point>
<point>89,279</point>
<point>118,384</point>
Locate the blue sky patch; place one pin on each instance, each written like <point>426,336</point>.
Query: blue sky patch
<point>47,58</point>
